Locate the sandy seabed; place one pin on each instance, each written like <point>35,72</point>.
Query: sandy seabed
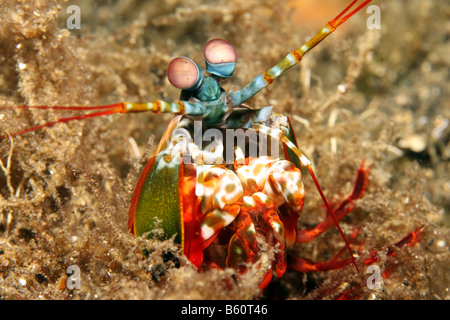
<point>379,96</point>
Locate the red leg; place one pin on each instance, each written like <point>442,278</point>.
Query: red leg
<point>275,227</point>
<point>242,246</point>
<point>306,265</point>
<point>351,240</point>
<point>409,240</point>
<point>344,208</point>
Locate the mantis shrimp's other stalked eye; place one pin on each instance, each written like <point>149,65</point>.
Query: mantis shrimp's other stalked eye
<point>220,58</point>
<point>185,74</point>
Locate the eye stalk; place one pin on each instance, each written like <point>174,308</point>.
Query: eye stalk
<point>185,74</point>
<point>220,58</point>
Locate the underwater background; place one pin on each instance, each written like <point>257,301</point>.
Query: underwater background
<point>374,95</point>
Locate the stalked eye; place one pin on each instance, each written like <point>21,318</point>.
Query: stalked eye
<point>185,74</point>
<point>220,58</point>
<point>219,51</point>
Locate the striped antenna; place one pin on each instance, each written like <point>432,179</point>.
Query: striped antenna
<point>157,106</point>
<point>266,78</point>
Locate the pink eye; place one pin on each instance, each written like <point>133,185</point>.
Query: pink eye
<point>219,51</point>
<point>183,73</point>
